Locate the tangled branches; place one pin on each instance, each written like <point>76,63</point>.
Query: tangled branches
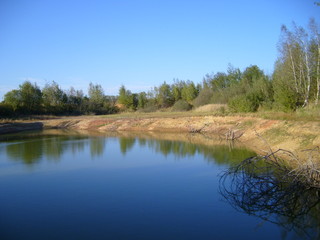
<point>268,188</point>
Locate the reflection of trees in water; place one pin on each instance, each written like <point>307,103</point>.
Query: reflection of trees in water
<point>219,154</point>
<point>28,152</point>
<point>97,145</point>
<point>35,147</point>
<point>257,188</point>
<point>126,144</point>
<point>32,148</point>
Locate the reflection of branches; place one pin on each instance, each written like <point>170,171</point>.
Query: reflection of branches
<point>267,188</point>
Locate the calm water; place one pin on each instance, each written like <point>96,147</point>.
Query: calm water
<point>62,185</point>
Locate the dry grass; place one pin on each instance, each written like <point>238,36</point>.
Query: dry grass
<point>212,108</point>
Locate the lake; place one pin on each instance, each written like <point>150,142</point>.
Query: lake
<point>58,184</point>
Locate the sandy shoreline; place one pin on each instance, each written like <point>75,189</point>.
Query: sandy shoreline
<point>252,132</point>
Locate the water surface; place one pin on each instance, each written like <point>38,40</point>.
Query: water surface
<point>66,185</point>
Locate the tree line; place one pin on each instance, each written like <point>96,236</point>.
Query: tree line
<point>295,83</point>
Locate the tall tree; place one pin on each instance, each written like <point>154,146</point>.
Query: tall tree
<point>142,99</point>
<point>31,97</point>
<point>126,98</point>
<point>293,66</point>
<point>315,52</point>
<point>164,95</point>
<point>13,98</point>
<point>53,95</point>
<point>96,94</point>
<point>189,92</point>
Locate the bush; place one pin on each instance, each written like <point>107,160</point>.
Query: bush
<point>6,110</point>
<point>181,106</point>
<point>203,98</point>
<point>150,106</point>
<point>286,100</point>
<point>244,103</point>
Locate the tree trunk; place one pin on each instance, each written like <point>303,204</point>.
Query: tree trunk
<point>306,100</point>
<point>317,74</point>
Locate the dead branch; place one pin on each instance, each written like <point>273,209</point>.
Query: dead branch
<point>270,188</point>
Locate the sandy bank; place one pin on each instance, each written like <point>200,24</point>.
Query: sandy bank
<point>252,132</point>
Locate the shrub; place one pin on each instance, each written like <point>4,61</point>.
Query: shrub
<point>150,106</point>
<point>244,103</point>
<point>203,98</point>
<point>181,106</point>
<point>6,110</point>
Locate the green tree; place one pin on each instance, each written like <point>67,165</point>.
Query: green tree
<point>204,97</point>
<point>31,97</point>
<point>75,101</point>
<point>315,56</point>
<point>142,99</point>
<point>13,98</point>
<point>177,87</point>
<point>96,99</point>
<point>128,99</point>
<point>189,92</point>
<point>299,63</point>
<point>96,94</point>
<point>54,99</point>
<point>250,75</point>
<point>164,95</point>
<point>219,81</point>
<point>123,95</point>
<point>285,92</point>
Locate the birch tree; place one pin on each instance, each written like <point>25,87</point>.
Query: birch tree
<point>315,39</point>
<point>299,60</point>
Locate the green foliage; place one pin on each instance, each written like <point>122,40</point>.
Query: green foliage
<point>27,99</point>
<point>204,97</point>
<point>244,103</point>
<point>286,99</point>
<point>189,92</point>
<point>176,90</point>
<point>6,110</point>
<point>150,106</point>
<point>164,96</point>
<point>96,94</point>
<point>75,101</point>
<point>54,99</point>
<point>127,99</point>
<point>285,95</point>
<point>181,106</point>
<point>142,99</point>
<point>13,99</point>
<point>30,97</point>
<point>97,102</point>
<point>251,75</point>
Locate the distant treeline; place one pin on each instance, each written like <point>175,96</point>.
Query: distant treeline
<point>295,83</point>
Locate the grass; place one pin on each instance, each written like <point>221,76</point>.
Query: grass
<point>272,115</point>
<point>311,113</point>
<point>276,134</point>
<point>308,140</point>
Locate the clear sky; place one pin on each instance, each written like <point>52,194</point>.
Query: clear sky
<point>138,43</point>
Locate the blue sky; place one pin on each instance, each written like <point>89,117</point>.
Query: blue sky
<point>138,43</point>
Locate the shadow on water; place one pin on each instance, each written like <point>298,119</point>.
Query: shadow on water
<point>18,127</point>
<point>256,189</point>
